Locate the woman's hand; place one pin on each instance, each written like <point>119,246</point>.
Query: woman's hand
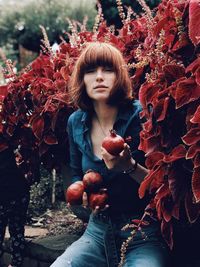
<point>85,204</point>
<point>119,163</point>
<point>97,208</point>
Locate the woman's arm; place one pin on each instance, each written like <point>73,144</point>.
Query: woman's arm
<point>124,163</point>
<point>75,155</point>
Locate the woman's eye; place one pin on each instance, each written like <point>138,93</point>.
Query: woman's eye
<point>90,70</point>
<point>108,69</point>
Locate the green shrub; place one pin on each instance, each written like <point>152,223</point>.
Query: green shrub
<point>41,194</point>
<point>21,24</point>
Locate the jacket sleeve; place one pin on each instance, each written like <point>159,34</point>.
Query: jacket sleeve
<point>75,154</point>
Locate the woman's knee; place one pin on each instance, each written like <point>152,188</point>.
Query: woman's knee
<point>148,257</point>
<point>83,252</point>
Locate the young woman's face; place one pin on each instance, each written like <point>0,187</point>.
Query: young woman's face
<point>99,82</point>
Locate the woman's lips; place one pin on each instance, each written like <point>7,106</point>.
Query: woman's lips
<point>100,86</point>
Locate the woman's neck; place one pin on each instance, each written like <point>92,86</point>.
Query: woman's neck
<point>105,114</point>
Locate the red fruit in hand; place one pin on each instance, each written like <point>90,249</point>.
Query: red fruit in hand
<point>98,199</point>
<point>92,181</point>
<point>113,143</point>
<point>74,193</point>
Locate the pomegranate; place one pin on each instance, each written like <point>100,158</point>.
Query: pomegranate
<point>74,193</point>
<point>92,181</point>
<point>113,143</point>
<point>98,199</point>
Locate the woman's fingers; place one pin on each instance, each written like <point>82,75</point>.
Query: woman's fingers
<point>97,209</point>
<point>106,155</point>
<point>126,152</point>
<point>85,200</point>
<point>102,190</point>
<point>105,208</point>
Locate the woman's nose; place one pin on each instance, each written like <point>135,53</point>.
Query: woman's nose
<point>99,75</point>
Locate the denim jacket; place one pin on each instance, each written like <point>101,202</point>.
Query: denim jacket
<point>122,189</point>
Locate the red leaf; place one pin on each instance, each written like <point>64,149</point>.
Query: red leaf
<point>137,76</point>
<point>50,139</point>
<point>155,158</point>
<point>158,179</point>
<point>146,183</point>
<point>186,92</point>
<point>181,43</point>
<point>173,72</point>
<point>164,202</point>
<point>148,143</point>
<point>177,184</point>
<point>162,191</point>
<point>148,92</point>
<point>159,209</point>
<point>3,91</point>
<point>194,21</point>
<point>57,76</point>
<point>49,105</point>
<point>10,130</point>
<point>196,184</point>
<point>38,127</point>
<point>140,222</point>
<point>54,120</point>
<point>160,107</point>
<point>192,136</point>
<point>196,117</point>
<point>65,73</point>
<point>197,76</point>
<point>167,232</point>
<point>176,211</point>
<point>3,146</point>
<point>177,153</point>
<point>193,66</point>
<point>197,161</point>
<point>167,213</point>
<point>60,85</point>
<point>48,72</point>
<point>43,148</point>
<point>159,26</point>
<point>61,97</point>
<point>192,151</point>
<point>192,208</point>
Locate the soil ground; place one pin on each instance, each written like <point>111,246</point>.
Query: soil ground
<point>54,222</point>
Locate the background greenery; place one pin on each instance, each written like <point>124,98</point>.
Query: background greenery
<point>41,194</point>
<point>20,24</point>
<point>111,14</point>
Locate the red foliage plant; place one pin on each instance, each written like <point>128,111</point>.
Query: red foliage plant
<point>170,99</point>
<point>162,53</point>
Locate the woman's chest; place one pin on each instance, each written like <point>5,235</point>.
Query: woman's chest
<point>96,142</point>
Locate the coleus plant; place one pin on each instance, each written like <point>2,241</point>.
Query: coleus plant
<point>162,52</point>
<point>170,100</point>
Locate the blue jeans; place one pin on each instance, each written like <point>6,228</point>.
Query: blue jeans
<point>100,245</point>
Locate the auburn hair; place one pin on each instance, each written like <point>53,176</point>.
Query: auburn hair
<point>100,54</point>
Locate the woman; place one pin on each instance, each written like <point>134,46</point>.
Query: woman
<point>101,89</point>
